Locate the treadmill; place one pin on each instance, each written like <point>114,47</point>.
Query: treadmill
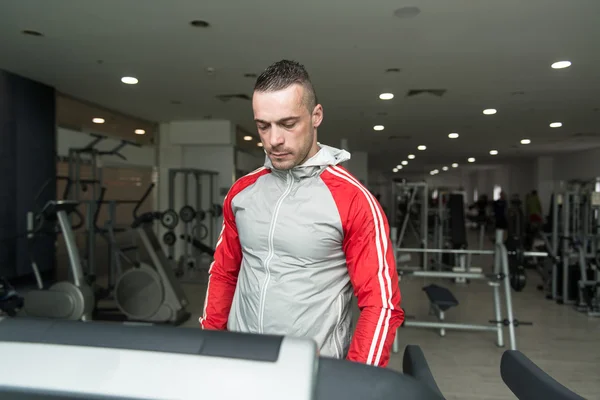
<point>61,359</point>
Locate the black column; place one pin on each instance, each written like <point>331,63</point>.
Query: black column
<point>27,162</point>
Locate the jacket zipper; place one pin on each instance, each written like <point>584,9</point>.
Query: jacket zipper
<point>271,253</point>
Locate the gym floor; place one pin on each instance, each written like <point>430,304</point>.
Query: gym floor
<point>466,365</point>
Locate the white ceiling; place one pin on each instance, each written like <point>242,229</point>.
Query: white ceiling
<point>481,52</point>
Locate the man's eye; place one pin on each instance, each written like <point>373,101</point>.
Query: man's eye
<point>289,126</point>
<point>262,127</point>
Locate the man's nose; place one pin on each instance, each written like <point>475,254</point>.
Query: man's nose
<point>276,137</point>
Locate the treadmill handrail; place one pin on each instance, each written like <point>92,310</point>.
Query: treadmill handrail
<point>527,381</point>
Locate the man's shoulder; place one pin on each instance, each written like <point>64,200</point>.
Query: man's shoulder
<point>340,179</point>
<point>247,181</point>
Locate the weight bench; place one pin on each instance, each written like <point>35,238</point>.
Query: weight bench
<point>440,300</point>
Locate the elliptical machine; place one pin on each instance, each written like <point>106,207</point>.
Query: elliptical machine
<point>150,291</point>
<point>63,300</point>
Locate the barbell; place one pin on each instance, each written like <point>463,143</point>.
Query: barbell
<point>188,213</point>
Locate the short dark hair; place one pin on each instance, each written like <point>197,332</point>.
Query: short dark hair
<point>283,74</point>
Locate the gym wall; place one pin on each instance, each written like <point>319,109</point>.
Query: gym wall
<point>579,165</point>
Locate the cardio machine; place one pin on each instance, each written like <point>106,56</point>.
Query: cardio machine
<point>134,362</point>
<point>147,292</point>
<point>63,300</point>
<point>150,292</point>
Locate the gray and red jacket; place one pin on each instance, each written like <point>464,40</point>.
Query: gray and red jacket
<point>294,245</point>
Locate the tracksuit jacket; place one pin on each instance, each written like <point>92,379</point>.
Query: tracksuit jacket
<point>294,247</point>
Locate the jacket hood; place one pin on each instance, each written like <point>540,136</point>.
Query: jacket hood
<point>326,156</point>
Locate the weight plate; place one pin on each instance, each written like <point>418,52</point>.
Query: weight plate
<point>216,210</point>
<point>201,215</point>
<point>169,219</point>
<point>187,214</point>
<point>203,232</point>
<point>518,279</point>
<point>169,238</point>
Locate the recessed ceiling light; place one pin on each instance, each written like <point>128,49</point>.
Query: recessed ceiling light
<point>98,120</point>
<point>411,156</point>
<point>494,152</point>
<point>432,173</point>
<point>561,64</point>
<point>395,170</point>
<point>444,168</point>
<point>378,127</point>
<point>525,141</point>
<point>404,162</point>
<point>422,147</point>
<point>247,138</point>
<point>259,144</point>
<point>386,96</point>
<point>129,80</point>
<point>490,111</point>
<point>436,171</point>
<point>399,166</point>
<point>455,165</point>
<point>471,159</point>
<point>556,125</point>
<point>140,131</point>
<point>453,135</point>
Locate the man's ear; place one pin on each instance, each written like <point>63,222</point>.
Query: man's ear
<point>317,116</point>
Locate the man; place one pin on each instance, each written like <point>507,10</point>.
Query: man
<point>300,233</point>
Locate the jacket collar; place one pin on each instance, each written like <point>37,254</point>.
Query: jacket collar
<point>325,157</point>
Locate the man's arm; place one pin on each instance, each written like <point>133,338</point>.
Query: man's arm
<point>223,273</point>
<point>372,268</point>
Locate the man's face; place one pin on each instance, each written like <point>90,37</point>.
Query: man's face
<point>286,126</point>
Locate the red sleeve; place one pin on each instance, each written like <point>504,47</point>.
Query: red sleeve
<point>223,272</point>
<point>372,269</point>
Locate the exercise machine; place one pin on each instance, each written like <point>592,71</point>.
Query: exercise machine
<point>135,362</point>
<point>89,191</point>
<point>149,291</point>
<point>575,235</point>
<point>146,292</point>
<point>529,382</point>
<point>441,299</point>
<point>73,300</point>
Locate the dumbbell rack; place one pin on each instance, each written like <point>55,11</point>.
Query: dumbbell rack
<point>193,188</point>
